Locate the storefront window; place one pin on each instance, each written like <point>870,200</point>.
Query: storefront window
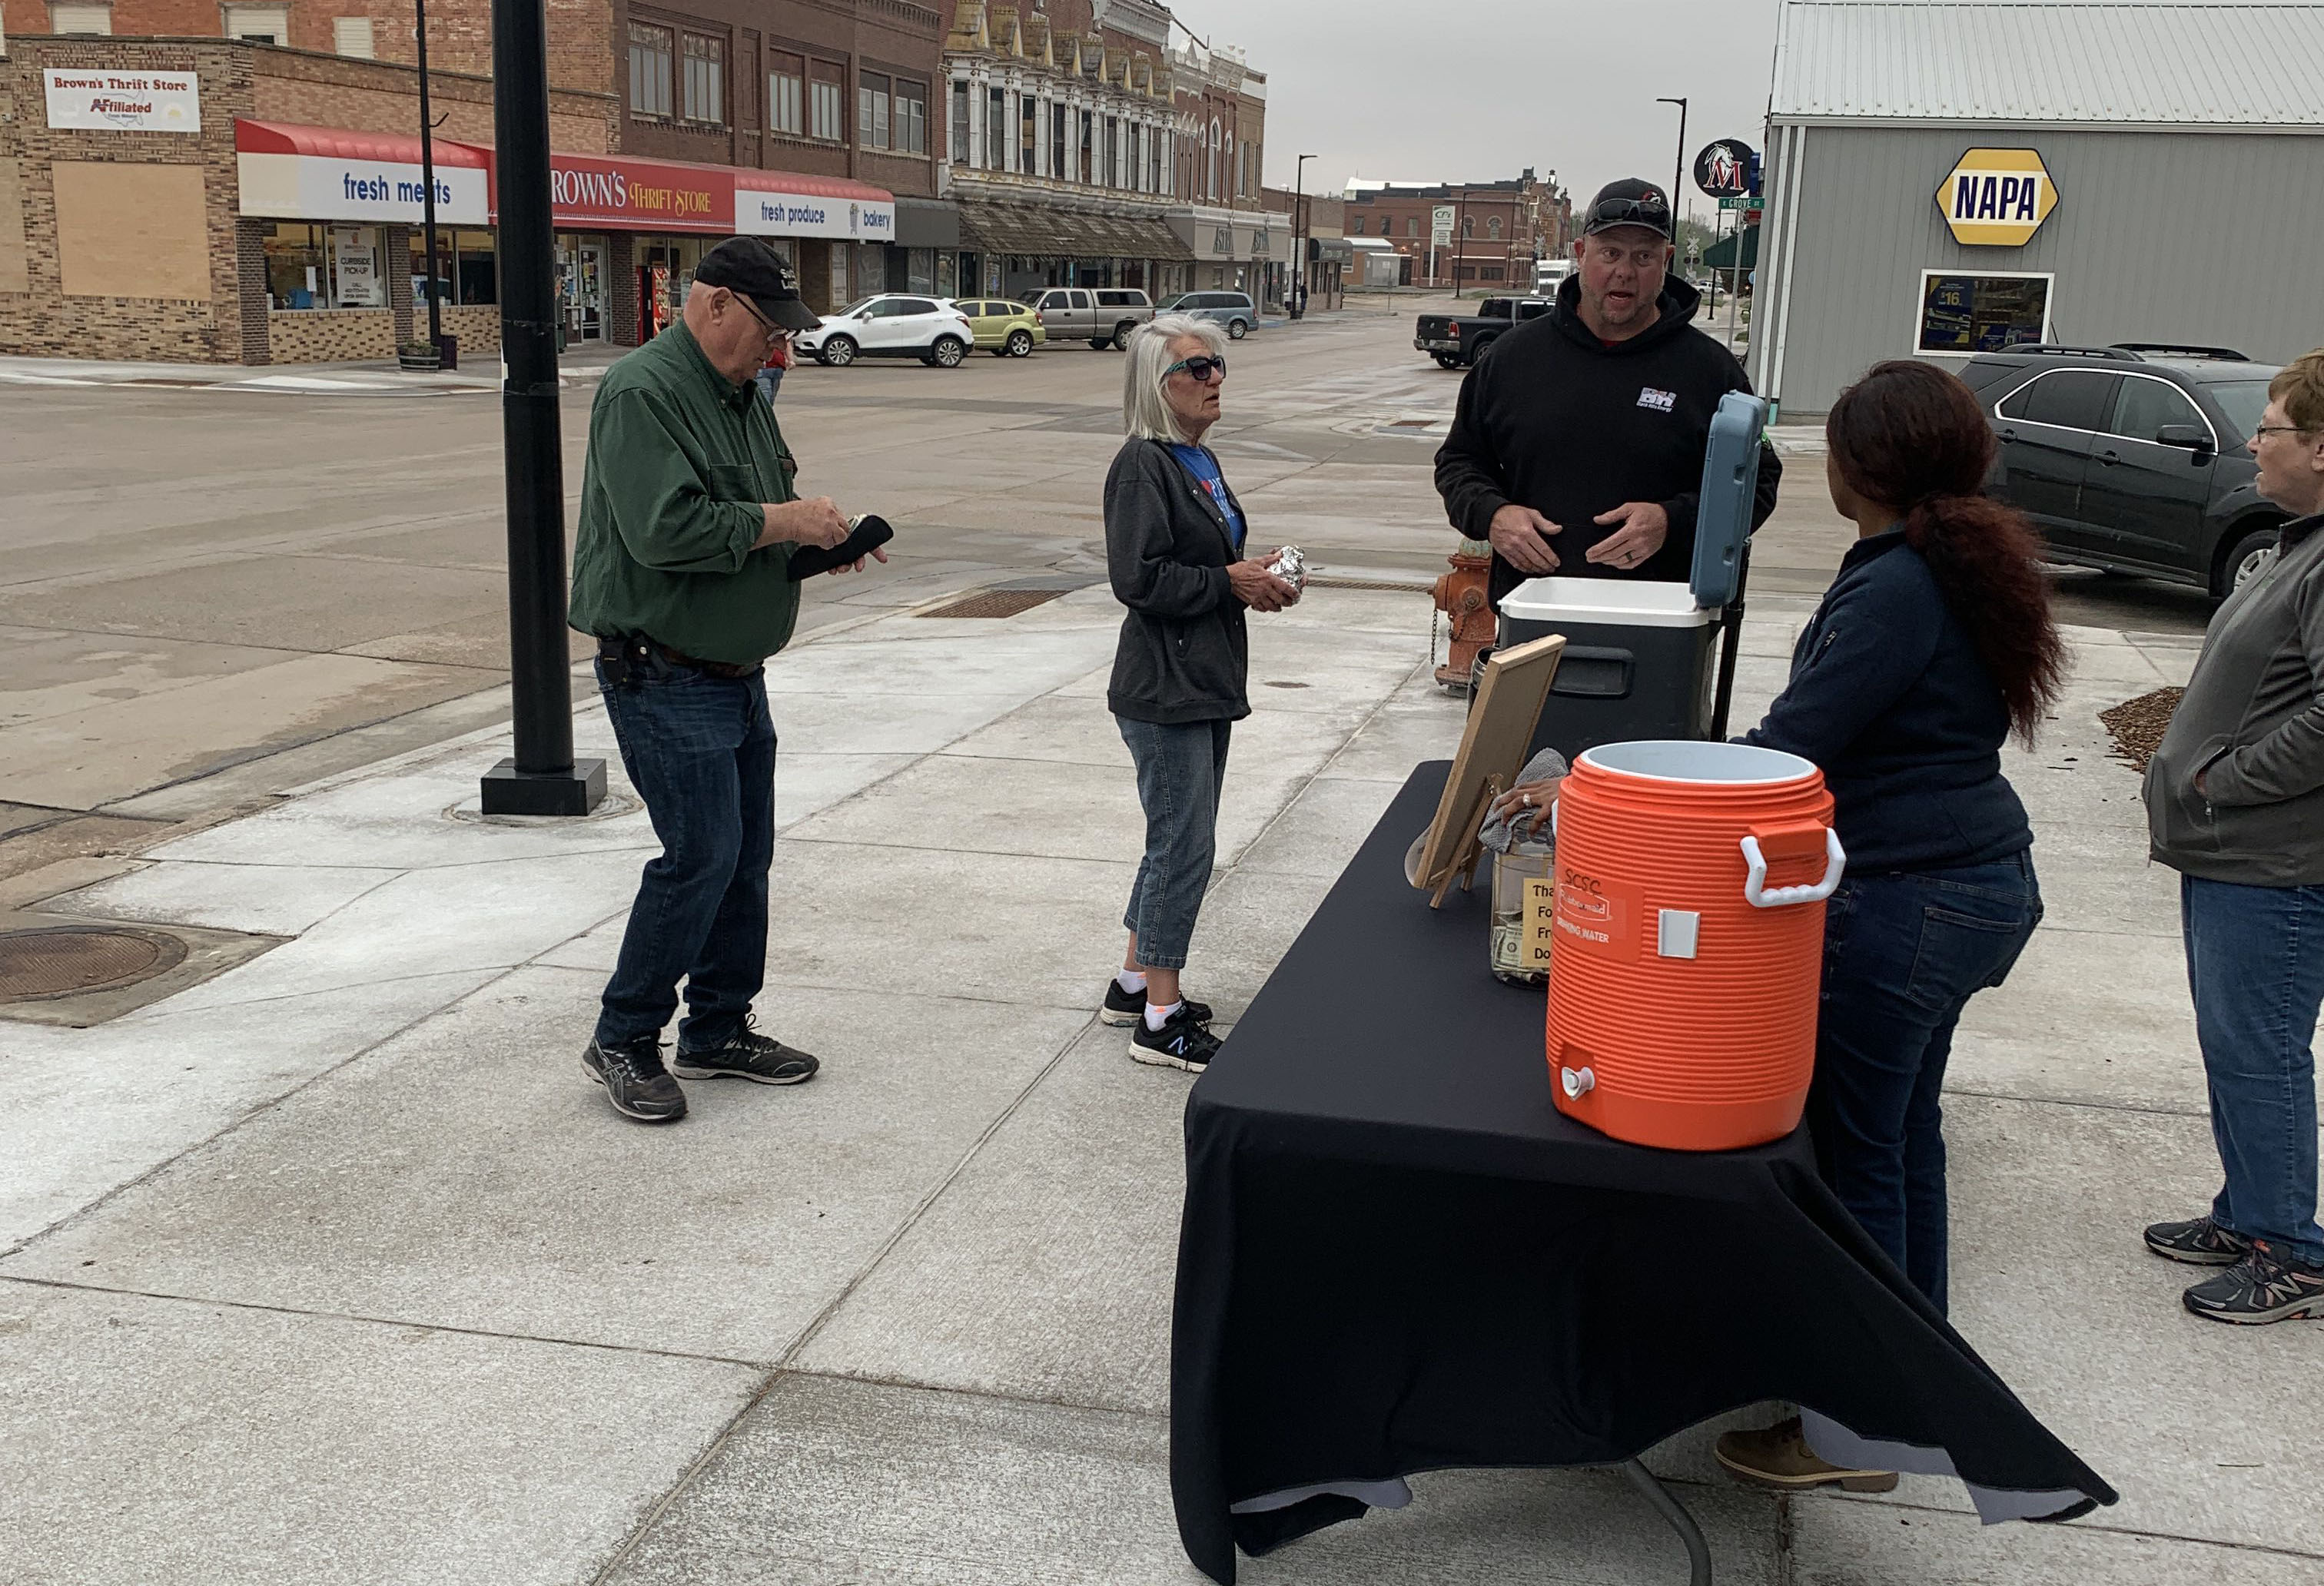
<point>1982,313</point>
<point>323,267</point>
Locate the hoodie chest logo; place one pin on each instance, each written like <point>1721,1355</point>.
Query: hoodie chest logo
<point>1661,401</point>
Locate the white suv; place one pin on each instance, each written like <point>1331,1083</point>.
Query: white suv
<point>892,325</point>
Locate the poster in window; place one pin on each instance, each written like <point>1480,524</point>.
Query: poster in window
<point>354,261</point>
<point>1982,313</point>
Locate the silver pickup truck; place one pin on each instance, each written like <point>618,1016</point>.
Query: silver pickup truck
<point>1101,316</point>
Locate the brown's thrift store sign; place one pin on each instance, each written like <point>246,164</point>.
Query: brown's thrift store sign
<point>124,101</point>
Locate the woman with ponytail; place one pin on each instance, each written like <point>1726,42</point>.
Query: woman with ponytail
<point>1932,646</point>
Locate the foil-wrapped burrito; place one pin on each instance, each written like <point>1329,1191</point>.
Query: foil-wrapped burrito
<point>1291,566</point>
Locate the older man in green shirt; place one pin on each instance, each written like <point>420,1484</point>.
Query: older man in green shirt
<point>681,571</point>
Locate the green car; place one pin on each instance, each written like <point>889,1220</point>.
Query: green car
<point>1003,328</point>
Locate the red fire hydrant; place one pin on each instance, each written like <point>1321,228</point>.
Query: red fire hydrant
<point>1461,594</point>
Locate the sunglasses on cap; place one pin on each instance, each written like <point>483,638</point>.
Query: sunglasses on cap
<point>1200,368</point>
<point>1650,212</point>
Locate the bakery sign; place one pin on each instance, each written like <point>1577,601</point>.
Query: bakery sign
<point>1997,197</point>
<point>124,101</point>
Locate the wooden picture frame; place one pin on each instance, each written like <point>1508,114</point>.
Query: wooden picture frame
<point>1493,750</point>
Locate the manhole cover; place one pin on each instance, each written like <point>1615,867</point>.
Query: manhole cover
<point>995,603</point>
<point>39,963</point>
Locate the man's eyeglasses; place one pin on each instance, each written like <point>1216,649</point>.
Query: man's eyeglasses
<point>1651,212</point>
<point>774,332</point>
<point>1201,369</point>
<point>2278,430</point>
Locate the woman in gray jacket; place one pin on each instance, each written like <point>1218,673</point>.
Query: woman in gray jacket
<point>1174,545</point>
<point>2235,802</point>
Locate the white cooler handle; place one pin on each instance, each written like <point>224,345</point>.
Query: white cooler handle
<point>1760,895</point>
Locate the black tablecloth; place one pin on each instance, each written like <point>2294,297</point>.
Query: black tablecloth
<point>1397,1256</point>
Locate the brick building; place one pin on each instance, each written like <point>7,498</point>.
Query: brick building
<point>1499,228</point>
<point>809,122</point>
<point>181,221</point>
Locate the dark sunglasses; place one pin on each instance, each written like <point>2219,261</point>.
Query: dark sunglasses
<point>1200,368</point>
<point>1651,212</point>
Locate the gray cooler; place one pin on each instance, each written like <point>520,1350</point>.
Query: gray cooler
<point>1638,662</point>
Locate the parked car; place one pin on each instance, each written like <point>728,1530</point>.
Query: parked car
<point>1003,327</point>
<point>891,324</point>
<point>1458,340</point>
<point>1103,315</point>
<point>2132,458</point>
<point>1232,309</point>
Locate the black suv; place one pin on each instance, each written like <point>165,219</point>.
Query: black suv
<point>2132,457</point>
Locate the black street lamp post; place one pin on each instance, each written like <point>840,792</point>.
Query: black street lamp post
<point>542,778</point>
<point>1678,166</point>
<point>1299,236</point>
<point>427,182</point>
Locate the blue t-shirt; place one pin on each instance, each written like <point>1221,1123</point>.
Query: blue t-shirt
<point>1205,467</point>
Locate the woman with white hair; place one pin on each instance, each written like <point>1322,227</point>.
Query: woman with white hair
<point>1175,548</point>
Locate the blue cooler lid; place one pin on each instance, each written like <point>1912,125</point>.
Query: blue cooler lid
<point>1730,478</point>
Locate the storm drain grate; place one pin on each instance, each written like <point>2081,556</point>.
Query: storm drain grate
<point>39,963</point>
<point>994,602</point>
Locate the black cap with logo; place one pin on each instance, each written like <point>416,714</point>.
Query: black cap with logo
<point>751,269</point>
<point>1631,201</point>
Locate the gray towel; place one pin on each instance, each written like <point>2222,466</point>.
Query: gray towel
<point>1524,826</point>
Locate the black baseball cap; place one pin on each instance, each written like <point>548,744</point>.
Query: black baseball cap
<point>1631,201</point>
<point>749,269</point>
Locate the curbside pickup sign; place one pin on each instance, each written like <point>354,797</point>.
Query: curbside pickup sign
<point>1997,197</point>
<point>124,101</point>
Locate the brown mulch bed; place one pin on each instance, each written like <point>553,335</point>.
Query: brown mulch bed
<point>2137,726</point>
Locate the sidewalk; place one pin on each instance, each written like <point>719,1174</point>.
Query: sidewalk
<point>334,1267</point>
<point>481,371</point>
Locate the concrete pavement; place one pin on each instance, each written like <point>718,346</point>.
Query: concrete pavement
<point>334,1267</point>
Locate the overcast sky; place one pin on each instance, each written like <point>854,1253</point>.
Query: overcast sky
<point>1428,90</point>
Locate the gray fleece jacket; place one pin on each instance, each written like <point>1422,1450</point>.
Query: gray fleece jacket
<point>2252,725</point>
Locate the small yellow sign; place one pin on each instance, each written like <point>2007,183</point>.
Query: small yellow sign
<point>1997,197</point>
<point>1540,921</point>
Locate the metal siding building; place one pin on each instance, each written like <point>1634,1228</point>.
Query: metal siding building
<point>2185,146</point>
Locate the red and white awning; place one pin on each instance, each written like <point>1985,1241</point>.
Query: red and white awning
<point>293,173</point>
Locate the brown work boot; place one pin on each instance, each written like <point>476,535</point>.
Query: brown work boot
<point>1779,1457</point>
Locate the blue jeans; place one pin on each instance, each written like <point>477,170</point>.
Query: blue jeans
<point>2255,965</point>
<point>1180,770</point>
<point>701,751</point>
<point>770,381</point>
<point>1903,954</point>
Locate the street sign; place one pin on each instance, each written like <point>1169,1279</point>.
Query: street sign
<point>1997,197</point>
<point>1440,226</point>
<point>1732,201</point>
<point>1723,169</point>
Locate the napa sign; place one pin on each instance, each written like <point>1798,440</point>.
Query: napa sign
<point>1997,197</point>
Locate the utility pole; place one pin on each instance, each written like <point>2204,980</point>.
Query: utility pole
<point>1678,169</point>
<point>1299,236</point>
<point>427,183</point>
<point>1459,237</point>
<point>542,778</point>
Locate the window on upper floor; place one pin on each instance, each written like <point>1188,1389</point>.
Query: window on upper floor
<point>959,150</point>
<point>996,129</point>
<point>352,36</point>
<point>259,25</point>
<point>1493,228</point>
<point>910,116</point>
<point>1467,226</point>
<point>826,115</point>
<point>650,71</point>
<point>1355,225</point>
<point>706,81</point>
<point>80,19</point>
<point>787,95</point>
<point>1412,226</point>
<point>871,110</point>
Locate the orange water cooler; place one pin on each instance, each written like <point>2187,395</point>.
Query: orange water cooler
<point>1689,941</point>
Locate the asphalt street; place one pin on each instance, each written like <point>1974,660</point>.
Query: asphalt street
<point>209,595</point>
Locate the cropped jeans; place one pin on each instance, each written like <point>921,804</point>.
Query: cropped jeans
<point>1902,954</point>
<point>1180,770</point>
<point>2255,966</point>
<point>701,751</point>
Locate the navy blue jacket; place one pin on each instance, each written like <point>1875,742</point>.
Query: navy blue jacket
<point>1888,697</point>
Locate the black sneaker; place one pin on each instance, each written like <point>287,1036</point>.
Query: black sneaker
<point>2260,1287</point>
<point>1183,1041</point>
<point>2199,1243</point>
<point>1123,1009</point>
<point>748,1054</point>
<point>636,1082</point>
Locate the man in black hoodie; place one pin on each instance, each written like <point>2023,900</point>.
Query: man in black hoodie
<point>1577,448</point>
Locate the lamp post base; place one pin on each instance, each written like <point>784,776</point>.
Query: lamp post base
<point>574,792</point>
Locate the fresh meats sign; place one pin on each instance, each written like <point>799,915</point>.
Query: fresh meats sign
<point>124,101</point>
<point>640,194</point>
